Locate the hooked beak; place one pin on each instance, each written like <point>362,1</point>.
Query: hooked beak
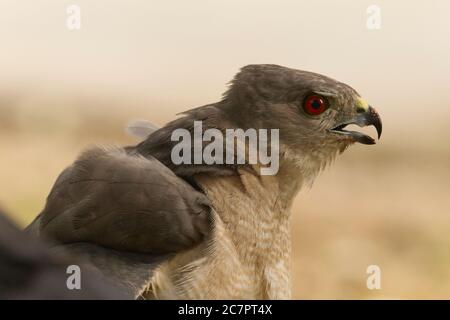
<point>367,118</point>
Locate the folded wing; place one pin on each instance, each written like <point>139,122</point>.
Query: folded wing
<point>117,209</point>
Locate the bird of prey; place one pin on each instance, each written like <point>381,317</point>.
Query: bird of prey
<point>206,231</point>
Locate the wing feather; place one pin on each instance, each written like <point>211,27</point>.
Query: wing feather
<point>124,202</point>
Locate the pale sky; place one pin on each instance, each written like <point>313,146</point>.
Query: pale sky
<point>182,53</point>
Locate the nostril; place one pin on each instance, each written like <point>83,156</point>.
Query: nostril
<point>360,109</point>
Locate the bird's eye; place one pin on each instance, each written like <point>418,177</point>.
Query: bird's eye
<point>314,105</point>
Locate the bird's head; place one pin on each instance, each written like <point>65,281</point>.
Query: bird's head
<point>310,110</point>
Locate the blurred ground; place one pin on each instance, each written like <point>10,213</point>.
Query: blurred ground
<point>386,204</point>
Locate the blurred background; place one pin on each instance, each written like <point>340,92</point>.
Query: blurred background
<point>386,205</point>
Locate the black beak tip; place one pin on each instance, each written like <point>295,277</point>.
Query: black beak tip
<point>365,140</point>
<point>375,120</point>
<point>379,130</point>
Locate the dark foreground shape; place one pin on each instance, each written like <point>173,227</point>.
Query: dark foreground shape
<point>29,271</point>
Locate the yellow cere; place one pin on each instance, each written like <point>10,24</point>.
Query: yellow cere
<point>362,104</point>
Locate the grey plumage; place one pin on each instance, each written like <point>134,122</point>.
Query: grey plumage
<point>125,202</point>
<point>122,213</point>
<point>140,128</point>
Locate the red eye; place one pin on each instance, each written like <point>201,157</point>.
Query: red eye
<point>314,105</point>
